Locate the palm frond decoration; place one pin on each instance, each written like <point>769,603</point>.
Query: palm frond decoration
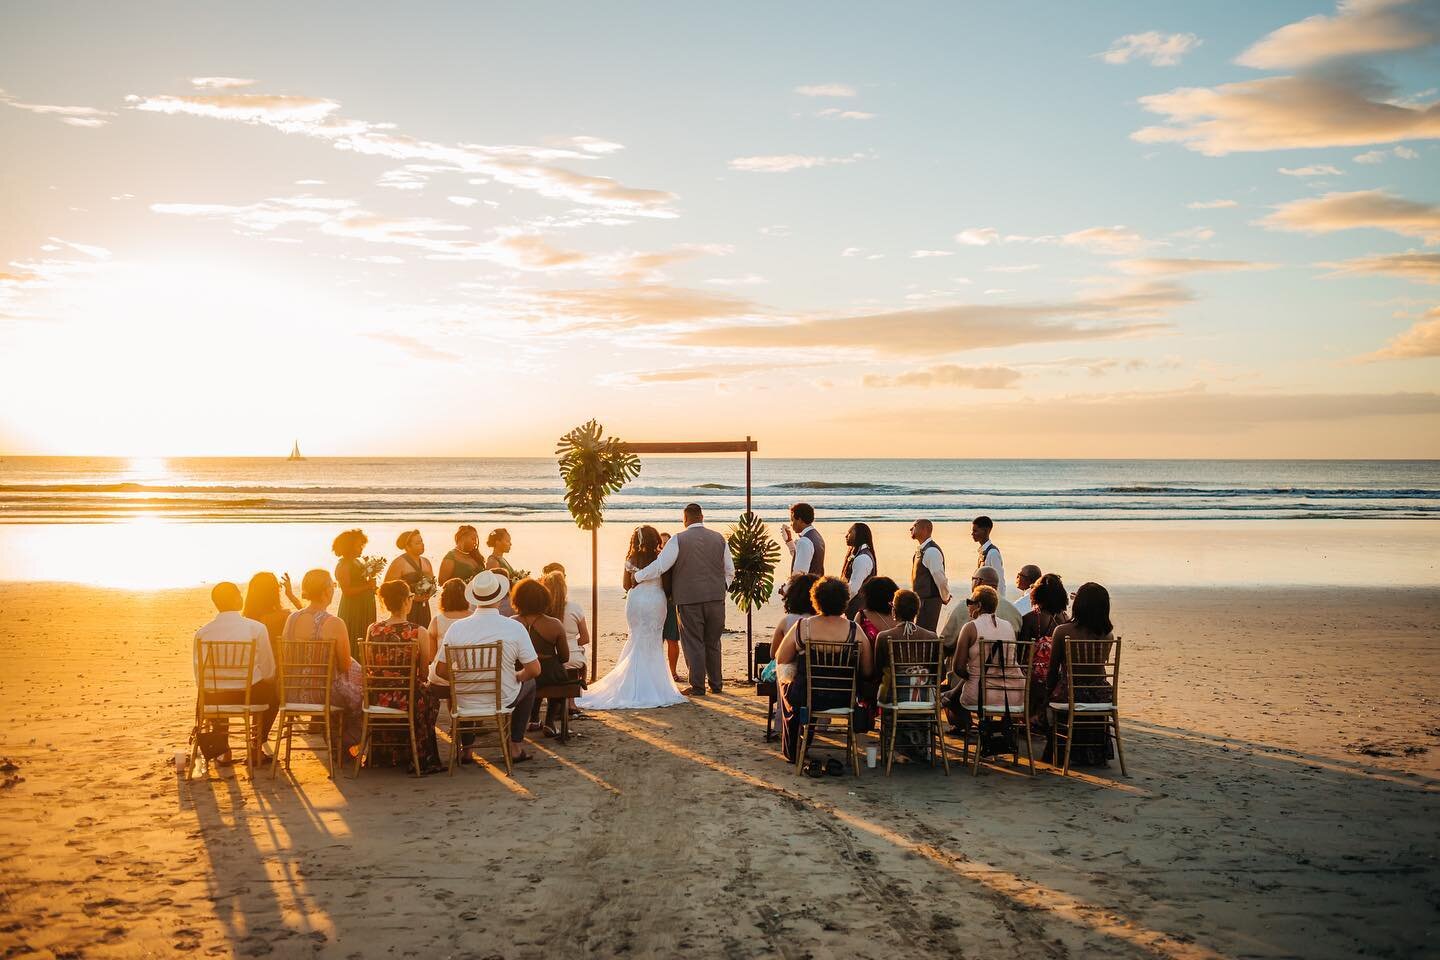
<point>755,553</point>
<point>593,467</point>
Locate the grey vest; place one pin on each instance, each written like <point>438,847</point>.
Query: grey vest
<point>922,581</point>
<point>699,572</point>
<point>817,558</point>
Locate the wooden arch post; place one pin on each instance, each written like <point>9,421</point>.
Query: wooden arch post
<point>747,447</point>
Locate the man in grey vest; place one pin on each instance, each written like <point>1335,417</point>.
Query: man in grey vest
<point>700,572</point>
<point>807,548</point>
<point>927,575</point>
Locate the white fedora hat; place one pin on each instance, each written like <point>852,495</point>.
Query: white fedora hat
<point>487,588</point>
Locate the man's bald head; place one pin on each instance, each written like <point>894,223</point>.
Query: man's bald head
<point>987,576</point>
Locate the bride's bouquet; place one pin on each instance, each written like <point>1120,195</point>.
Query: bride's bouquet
<point>373,568</point>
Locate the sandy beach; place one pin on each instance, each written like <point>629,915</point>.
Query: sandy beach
<point>1284,753</point>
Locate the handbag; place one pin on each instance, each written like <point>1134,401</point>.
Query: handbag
<point>212,744</point>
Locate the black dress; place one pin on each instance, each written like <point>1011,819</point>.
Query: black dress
<point>1091,746</point>
<point>420,609</point>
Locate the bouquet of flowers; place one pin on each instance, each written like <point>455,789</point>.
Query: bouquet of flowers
<point>519,575</point>
<point>373,568</point>
<point>425,586</point>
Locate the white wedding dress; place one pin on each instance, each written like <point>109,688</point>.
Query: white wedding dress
<point>641,678</point>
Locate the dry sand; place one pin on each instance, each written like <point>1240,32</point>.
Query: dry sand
<point>1253,823</point>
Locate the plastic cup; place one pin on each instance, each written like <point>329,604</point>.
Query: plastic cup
<point>870,756</point>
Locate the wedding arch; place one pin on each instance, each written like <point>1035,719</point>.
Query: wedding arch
<point>586,505</point>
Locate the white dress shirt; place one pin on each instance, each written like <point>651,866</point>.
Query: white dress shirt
<point>934,561</point>
<point>990,557</point>
<point>860,568</point>
<point>231,626</point>
<point>486,625</point>
<point>803,551</point>
<point>1022,603</point>
<point>671,552</point>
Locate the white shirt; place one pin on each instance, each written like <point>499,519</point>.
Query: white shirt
<point>574,616</point>
<point>934,561</point>
<point>1022,603</point>
<point>671,552</point>
<point>231,626</point>
<point>442,624</point>
<point>802,548</point>
<point>990,557</point>
<point>486,625</point>
<point>860,568</point>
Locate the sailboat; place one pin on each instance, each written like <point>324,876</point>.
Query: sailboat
<point>295,452</point>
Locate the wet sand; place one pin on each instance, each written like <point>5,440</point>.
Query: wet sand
<point>1283,748</point>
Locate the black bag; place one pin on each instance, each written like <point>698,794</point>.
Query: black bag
<point>212,744</point>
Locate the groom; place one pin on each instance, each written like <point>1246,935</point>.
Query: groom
<point>701,571</point>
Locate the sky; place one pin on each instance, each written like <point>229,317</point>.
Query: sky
<point>1108,229</point>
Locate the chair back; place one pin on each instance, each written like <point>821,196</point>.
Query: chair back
<point>760,658</point>
<point>306,670</point>
<point>830,667</point>
<point>1091,663</point>
<point>226,665</point>
<point>1005,673</point>
<point>475,672</point>
<point>388,670</point>
<point>917,670</point>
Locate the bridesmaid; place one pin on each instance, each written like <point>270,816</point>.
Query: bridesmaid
<point>671,631</point>
<point>411,566</point>
<point>499,544</point>
<point>465,560</point>
<point>357,592</point>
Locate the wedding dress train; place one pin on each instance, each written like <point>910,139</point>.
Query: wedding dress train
<point>641,678</point>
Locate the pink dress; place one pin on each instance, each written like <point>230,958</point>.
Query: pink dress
<point>1005,679</point>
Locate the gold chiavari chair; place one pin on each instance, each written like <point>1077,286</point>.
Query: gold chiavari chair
<point>475,676</point>
<point>306,670</point>
<point>912,696</point>
<point>387,668</point>
<point>225,667</point>
<point>830,670</point>
<point>1005,679</point>
<point>1090,667</point>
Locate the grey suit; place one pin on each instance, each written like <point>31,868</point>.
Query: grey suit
<point>701,569</point>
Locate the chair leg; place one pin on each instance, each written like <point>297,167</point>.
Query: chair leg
<point>454,743</point>
<point>1029,748</point>
<point>975,757</point>
<point>363,745</point>
<point>503,724</point>
<point>804,747</point>
<point>854,745</point>
<point>940,736</point>
<point>1119,747</point>
<point>1069,741</point>
<point>414,746</point>
<point>279,731</point>
<point>890,753</point>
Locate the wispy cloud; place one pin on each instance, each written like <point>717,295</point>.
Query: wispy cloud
<point>1211,204</point>
<point>71,116</point>
<point>926,254</point>
<point>1112,240</point>
<point>788,162</point>
<point>1380,156</point>
<point>839,114</point>
<point>414,347</point>
<point>1374,209</point>
<point>220,83</point>
<point>1176,266</point>
<point>694,374</point>
<point>1358,28</point>
<point>1158,49</point>
<point>1314,170</point>
<point>1421,340</point>
<point>1420,267</point>
<point>977,236</point>
<point>826,90</point>
<point>950,375</point>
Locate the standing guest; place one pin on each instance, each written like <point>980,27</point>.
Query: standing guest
<point>860,563</point>
<point>519,663</point>
<point>547,635</point>
<point>830,596</point>
<point>1005,683</point>
<point>315,622</point>
<point>1089,624</point>
<point>412,567</point>
<point>927,575</point>
<point>465,560</point>
<point>357,591</point>
<point>230,625</point>
<point>807,548</point>
<point>989,554</point>
<point>798,606</point>
<point>424,708</point>
<point>670,633</point>
<point>499,543</point>
<point>572,617</point>
<point>963,613</point>
<point>262,603</point>
<point>1024,580</point>
<point>1038,627</point>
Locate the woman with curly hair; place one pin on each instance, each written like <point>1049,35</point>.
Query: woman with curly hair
<point>357,591</point>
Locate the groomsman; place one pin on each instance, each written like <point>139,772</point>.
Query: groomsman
<point>927,575</point>
<point>806,547</point>
<point>989,555</point>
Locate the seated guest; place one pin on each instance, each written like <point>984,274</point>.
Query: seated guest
<point>873,618</point>
<point>1024,580</point>
<point>906,608</point>
<point>547,635</point>
<point>830,596</point>
<point>1037,627</point>
<point>798,606</point>
<point>453,607</point>
<point>961,615</point>
<point>425,708</point>
<point>1089,624</point>
<point>262,604</point>
<point>230,625</point>
<point>519,663</point>
<point>315,622</point>
<point>572,617</point>
<point>1005,680</point>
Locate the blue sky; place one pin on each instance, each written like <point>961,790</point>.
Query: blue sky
<point>697,220</point>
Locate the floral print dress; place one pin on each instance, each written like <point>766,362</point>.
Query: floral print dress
<point>391,747</point>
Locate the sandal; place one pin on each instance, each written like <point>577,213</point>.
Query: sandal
<point>522,758</point>
<point>813,768</point>
<point>549,731</point>
<point>834,767</point>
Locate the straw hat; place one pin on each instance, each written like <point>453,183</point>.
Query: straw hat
<point>487,588</point>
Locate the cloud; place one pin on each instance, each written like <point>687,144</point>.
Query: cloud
<point>1013,268</point>
<point>839,114</point>
<point>1421,340</point>
<point>71,116</point>
<point>587,144</point>
<point>710,372</point>
<point>1160,49</point>
<point>1174,266</point>
<point>1117,240</point>
<point>1375,209</point>
<point>950,375</point>
<point>1358,28</point>
<point>745,280</point>
<point>1352,108</point>
<point>1128,312</point>
<point>416,348</point>
<point>522,167</point>
<point>925,254</point>
<point>978,236</point>
<point>785,163</point>
<point>1211,204</point>
<point>220,83</point>
<point>640,305</point>
<point>826,90</point>
<point>1420,267</point>
<point>1380,156</point>
<point>1315,170</point>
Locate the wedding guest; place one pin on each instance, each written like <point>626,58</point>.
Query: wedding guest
<point>910,739</point>
<point>315,622</point>
<point>424,708</point>
<point>262,603</point>
<point>1038,627</point>
<point>927,574</point>
<point>519,663</point>
<point>874,618</point>
<point>547,635</point>
<point>552,567</point>
<point>357,591</point>
<point>230,625</point>
<point>830,596</point>
<point>989,554</point>
<point>465,560</point>
<point>1089,624</point>
<point>670,632</point>
<point>499,544</point>
<point>453,607</point>
<point>1024,580</point>
<point>1003,686</point>
<point>807,548</point>
<point>412,567</point>
<point>798,606</point>
<point>572,617</point>
<point>860,563</point>
<point>962,614</point>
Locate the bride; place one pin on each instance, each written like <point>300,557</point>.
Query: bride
<point>641,677</point>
